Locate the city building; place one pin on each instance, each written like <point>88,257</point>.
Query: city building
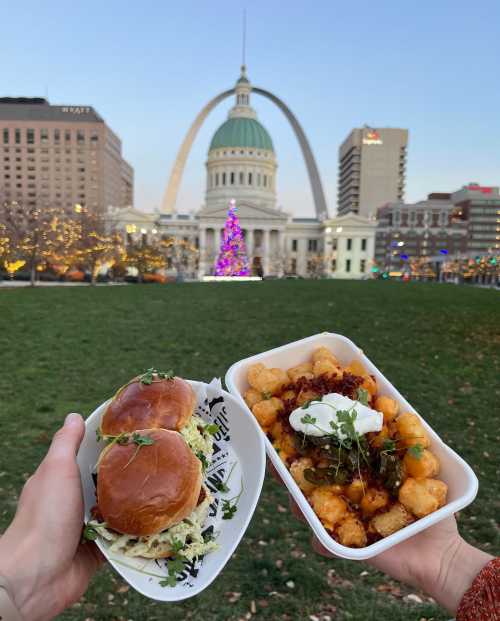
<point>60,156</point>
<point>461,224</point>
<point>372,170</point>
<point>349,246</point>
<point>479,207</point>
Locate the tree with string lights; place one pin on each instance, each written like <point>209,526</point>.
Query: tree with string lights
<point>33,234</point>
<point>232,259</point>
<point>146,258</point>
<point>181,254</point>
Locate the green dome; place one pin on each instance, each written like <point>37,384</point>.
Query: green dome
<point>242,132</point>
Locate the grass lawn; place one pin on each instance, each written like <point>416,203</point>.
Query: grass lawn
<point>67,349</point>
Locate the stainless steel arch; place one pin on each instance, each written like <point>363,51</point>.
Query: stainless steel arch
<point>170,197</point>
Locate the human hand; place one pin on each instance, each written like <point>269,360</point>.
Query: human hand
<point>41,555</point>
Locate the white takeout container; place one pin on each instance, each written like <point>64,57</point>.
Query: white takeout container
<point>461,480</point>
<point>238,441</point>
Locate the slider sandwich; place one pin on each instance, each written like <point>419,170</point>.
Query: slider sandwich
<point>151,501</point>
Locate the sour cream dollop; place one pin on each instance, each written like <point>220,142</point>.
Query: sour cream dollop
<point>325,412</point>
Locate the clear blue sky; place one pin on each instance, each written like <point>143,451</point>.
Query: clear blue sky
<point>148,67</point>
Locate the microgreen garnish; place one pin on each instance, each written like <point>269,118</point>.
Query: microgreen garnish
<point>203,459</point>
<point>222,486</point>
<point>308,404</point>
<point>170,581</point>
<point>153,374</point>
<point>98,435</point>
<point>89,533</point>
<point>363,396</point>
<point>267,395</point>
<point>389,446</point>
<point>211,428</point>
<point>140,441</point>
<point>416,451</point>
<point>230,506</point>
<point>177,545</point>
<point>307,419</point>
<point>207,536</point>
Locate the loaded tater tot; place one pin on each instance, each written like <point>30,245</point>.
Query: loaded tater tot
<point>364,481</point>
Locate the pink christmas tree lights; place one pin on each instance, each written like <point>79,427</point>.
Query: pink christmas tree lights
<point>232,259</point>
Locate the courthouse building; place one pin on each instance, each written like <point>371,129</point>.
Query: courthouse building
<point>242,165</point>
<point>61,156</point>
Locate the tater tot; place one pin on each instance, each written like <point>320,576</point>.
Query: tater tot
<point>285,447</point>
<point>356,368</point>
<point>438,489</point>
<point>253,372</point>
<point>288,395</point>
<point>411,430</point>
<point>266,412</point>
<point>327,367</point>
<point>391,521</point>
<point>389,407</point>
<point>378,440</point>
<point>329,507</point>
<point>306,395</point>
<point>276,430</point>
<point>351,532</point>
<point>355,491</point>
<point>370,385</point>
<point>270,381</point>
<point>323,353</point>
<point>301,370</point>
<point>252,397</point>
<point>417,498</point>
<point>373,500</point>
<point>297,471</point>
<point>424,467</point>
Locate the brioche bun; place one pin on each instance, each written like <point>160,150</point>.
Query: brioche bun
<point>163,404</point>
<point>143,492</point>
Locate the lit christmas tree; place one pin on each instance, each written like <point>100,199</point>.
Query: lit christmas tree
<point>232,260</point>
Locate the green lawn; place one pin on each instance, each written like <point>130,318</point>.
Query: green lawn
<point>67,349</point>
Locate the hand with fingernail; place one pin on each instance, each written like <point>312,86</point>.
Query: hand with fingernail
<point>42,562</point>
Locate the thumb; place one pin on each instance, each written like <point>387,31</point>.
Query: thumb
<point>67,440</point>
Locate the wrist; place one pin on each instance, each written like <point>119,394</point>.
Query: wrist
<point>15,570</point>
<point>460,563</point>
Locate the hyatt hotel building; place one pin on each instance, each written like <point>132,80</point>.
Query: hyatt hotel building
<point>61,156</point>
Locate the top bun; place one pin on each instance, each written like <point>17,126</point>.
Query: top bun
<point>163,404</point>
<point>142,490</point>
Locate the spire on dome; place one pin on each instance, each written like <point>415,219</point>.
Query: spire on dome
<point>243,88</point>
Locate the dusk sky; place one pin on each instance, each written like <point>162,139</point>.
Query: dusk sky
<point>148,68</point>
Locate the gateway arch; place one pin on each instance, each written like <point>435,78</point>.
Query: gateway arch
<point>170,197</point>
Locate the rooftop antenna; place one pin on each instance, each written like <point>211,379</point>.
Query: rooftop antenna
<point>243,51</point>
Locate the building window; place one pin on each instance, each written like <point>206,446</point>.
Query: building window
<point>349,244</point>
<point>57,136</point>
<point>348,265</point>
<point>216,178</point>
<point>44,136</point>
<point>295,243</point>
<point>265,181</point>
<point>80,136</point>
<point>293,265</point>
<point>232,178</point>
<point>312,245</point>
<point>362,266</point>
<point>224,178</point>
<point>363,244</point>
<point>30,136</point>
<point>258,179</point>
<point>94,136</point>
<point>18,136</point>
<point>242,178</point>
<point>6,136</point>
<point>334,243</point>
<point>334,264</point>
<point>67,135</point>
<point>249,178</point>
